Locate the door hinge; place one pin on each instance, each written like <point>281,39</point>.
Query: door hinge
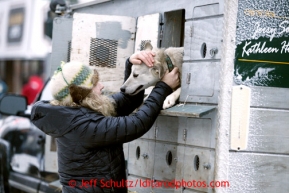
<point>133,34</point>
<point>161,34</point>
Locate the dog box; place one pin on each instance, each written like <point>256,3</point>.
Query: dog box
<point>229,129</point>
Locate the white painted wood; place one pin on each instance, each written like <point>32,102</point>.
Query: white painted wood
<point>258,173</point>
<point>224,103</point>
<point>199,132</point>
<point>125,151</point>
<point>162,169</point>
<point>206,10</point>
<point>179,166</point>
<point>87,26</point>
<point>190,191</point>
<point>147,29</point>
<point>206,31</point>
<point>138,185</point>
<point>240,114</point>
<point>200,175</point>
<point>188,40</point>
<point>270,97</point>
<point>167,129</point>
<point>142,166</point>
<point>268,131</point>
<point>203,84</point>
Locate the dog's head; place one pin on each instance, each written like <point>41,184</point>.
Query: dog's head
<point>142,76</point>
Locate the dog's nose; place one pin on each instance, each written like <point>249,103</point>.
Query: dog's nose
<point>122,89</point>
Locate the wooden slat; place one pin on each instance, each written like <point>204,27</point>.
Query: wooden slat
<point>270,97</point>
<point>258,173</point>
<point>269,131</point>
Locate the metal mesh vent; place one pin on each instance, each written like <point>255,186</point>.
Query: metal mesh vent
<point>103,52</point>
<point>68,51</point>
<point>143,42</point>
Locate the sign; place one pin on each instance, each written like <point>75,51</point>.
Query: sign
<point>262,43</point>
<point>15,25</point>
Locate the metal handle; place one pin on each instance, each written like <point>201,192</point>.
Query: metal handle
<point>213,52</point>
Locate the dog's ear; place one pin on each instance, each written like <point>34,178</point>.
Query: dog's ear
<point>95,78</point>
<point>148,46</point>
<point>158,71</point>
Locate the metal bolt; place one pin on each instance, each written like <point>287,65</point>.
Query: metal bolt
<point>213,52</point>
<point>145,156</point>
<point>207,166</point>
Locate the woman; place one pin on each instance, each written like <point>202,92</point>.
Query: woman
<point>90,129</point>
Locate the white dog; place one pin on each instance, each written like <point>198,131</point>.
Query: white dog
<point>142,76</point>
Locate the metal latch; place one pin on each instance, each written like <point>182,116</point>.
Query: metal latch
<point>184,134</point>
<point>188,80</point>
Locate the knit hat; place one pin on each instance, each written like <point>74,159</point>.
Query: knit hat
<point>72,82</point>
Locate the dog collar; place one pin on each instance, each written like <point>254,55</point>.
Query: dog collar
<point>169,63</point>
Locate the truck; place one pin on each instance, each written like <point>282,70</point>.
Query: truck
<point>229,130</point>
<point>24,42</point>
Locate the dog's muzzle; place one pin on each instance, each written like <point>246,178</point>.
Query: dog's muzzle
<point>123,89</point>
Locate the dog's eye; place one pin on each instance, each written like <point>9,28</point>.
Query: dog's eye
<point>135,75</point>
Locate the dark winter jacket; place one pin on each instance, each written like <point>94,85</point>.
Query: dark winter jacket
<point>90,145</point>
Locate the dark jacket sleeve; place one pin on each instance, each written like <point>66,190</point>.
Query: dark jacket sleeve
<point>112,130</point>
<point>126,104</point>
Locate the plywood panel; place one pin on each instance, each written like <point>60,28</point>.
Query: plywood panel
<point>270,97</point>
<point>200,82</point>
<point>141,158</point>
<point>165,166</point>
<point>199,132</point>
<point>207,35</point>
<point>258,173</point>
<point>206,10</point>
<point>104,28</point>
<point>269,131</point>
<point>180,165</point>
<point>125,151</point>
<point>167,129</point>
<point>199,167</point>
<point>138,185</point>
<point>188,40</point>
<point>165,161</point>
<point>148,27</point>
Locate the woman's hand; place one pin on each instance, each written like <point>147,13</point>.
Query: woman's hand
<point>172,79</point>
<point>144,56</point>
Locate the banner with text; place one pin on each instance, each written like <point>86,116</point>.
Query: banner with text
<point>262,43</point>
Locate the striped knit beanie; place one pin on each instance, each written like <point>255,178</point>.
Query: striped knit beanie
<point>72,73</point>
